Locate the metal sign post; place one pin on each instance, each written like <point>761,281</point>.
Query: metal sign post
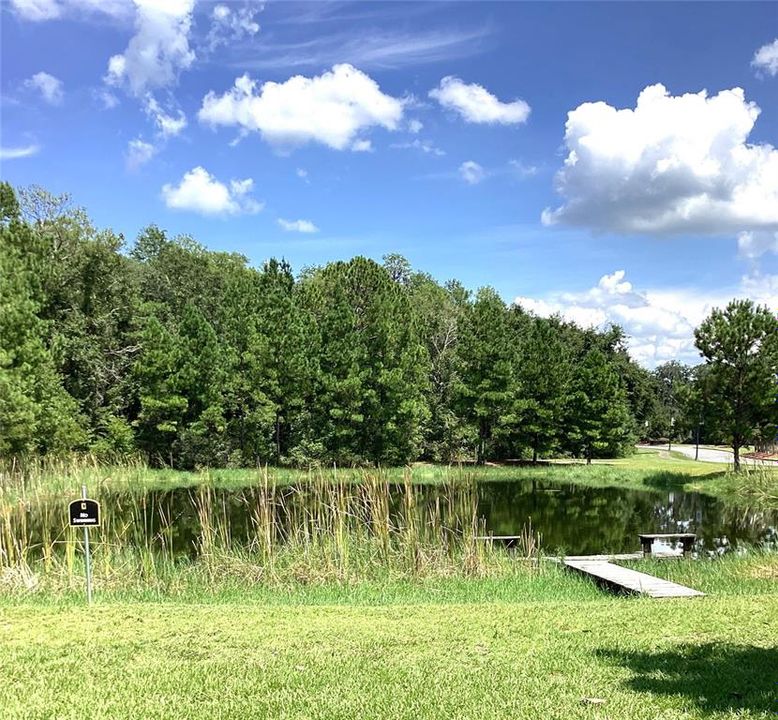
<point>87,556</point>
<point>85,513</point>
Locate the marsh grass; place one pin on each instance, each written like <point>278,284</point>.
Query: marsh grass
<point>313,532</point>
<point>289,529</point>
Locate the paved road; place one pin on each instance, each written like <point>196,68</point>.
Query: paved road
<point>709,455</point>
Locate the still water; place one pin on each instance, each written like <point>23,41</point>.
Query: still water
<point>573,519</point>
<point>583,521</point>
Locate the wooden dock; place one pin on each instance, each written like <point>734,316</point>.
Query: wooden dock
<point>621,578</point>
<point>615,577</point>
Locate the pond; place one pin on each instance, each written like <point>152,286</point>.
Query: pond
<point>573,519</point>
<point>586,521</point>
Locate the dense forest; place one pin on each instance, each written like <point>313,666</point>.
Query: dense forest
<point>195,358</point>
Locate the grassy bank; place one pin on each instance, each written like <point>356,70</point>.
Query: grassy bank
<point>645,469</point>
<point>509,637</point>
<point>454,654</point>
<point>236,578</point>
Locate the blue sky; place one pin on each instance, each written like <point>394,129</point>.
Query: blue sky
<point>442,131</point>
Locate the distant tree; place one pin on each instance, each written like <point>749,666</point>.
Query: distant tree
<point>285,352</point>
<point>599,421</point>
<point>195,357</point>
<point>399,268</point>
<point>486,382</point>
<point>162,403</point>
<point>672,384</point>
<point>36,413</point>
<point>543,374</point>
<point>740,344</point>
<point>644,398</point>
<point>438,312</point>
<point>694,407</point>
<point>372,365</point>
<point>200,378</point>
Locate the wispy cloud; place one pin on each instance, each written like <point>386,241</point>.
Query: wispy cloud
<point>337,13</point>
<point>387,50</point>
<point>301,226</point>
<point>50,88</point>
<point>425,146</point>
<point>14,153</point>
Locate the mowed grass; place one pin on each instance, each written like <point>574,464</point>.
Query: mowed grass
<point>610,658</point>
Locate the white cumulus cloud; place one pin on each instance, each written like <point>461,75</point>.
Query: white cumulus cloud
<point>158,51</point>
<point>476,104</point>
<point>51,88</point>
<point>331,109</point>
<point>762,289</point>
<point>672,164</point>
<point>37,10</point>
<point>471,172</point>
<point>201,192</point>
<point>766,59</point>
<point>301,226</point>
<point>659,323</point>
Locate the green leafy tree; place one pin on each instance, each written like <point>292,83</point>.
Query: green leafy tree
<point>85,291</point>
<point>672,385</point>
<point>438,312</point>
<point>285,354</point>
<point>740,344</point>
<point>36,413</point>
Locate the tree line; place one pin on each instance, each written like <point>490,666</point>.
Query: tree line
<point>195,358</point>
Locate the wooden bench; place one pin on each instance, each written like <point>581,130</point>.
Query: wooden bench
<point>647,539</point>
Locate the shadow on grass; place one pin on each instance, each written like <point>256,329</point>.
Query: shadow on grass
<point>714,677</point>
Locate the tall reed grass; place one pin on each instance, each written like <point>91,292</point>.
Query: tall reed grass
<point>318,530</point>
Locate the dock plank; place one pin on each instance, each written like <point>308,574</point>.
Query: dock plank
<point>630,580</point>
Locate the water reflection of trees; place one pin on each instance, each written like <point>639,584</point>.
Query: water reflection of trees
<point>584,520</point>
<point>578,520</point>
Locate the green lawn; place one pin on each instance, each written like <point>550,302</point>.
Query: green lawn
<point>701,658</point>
<point>539,643</point>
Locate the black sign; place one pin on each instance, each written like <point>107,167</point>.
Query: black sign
<point>84,513</point>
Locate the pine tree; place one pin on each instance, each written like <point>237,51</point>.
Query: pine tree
<point>543,374</point>
<point>740,344</point>
<point>162,404</point>
<point>486,384</point>
<point>598,418</point>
